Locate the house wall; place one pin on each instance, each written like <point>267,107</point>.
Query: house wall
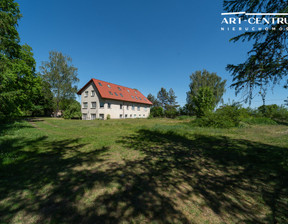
<point>115,112</point>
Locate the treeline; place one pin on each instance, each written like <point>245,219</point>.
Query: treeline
<point>205,94</point>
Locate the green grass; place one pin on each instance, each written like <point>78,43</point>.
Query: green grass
<point>142,171</point>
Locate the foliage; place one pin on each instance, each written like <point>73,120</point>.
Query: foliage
<point>267,60</point>
<point>108,117</point>
<point>259,121</point>
<point>73,111</point>
<point>153,100</point>
<point>204,101</point>
<point>162,97</point>
<point>201,79</point>
<point>227,116</point>
<point>156,112</point>
<point>18,82</point>
<point>61,76</point>
<point>275,112</point>
<point>171,112</point>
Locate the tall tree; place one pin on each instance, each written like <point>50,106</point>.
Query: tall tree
<point>153,100</point>
<point>200,79</point>
<point>268,59</point>
<point>18,81</point>
<point>162,97</point>
<point>61,76</point>
<point>172,98</point>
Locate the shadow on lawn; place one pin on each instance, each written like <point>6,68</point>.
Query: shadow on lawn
<point>239,180</point>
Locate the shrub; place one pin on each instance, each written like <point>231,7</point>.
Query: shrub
<point>156,112</point>
<point>171,112</point>
<point>274,112</point>
<point>73,111</point>
<point>259,120</point>
<point>108,117</point>
<point>227,116</point>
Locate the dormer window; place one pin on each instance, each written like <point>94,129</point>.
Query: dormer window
<point>119,88</point>
<point>110,93</point>
<point>100,84</point>
<point>115,94</point>
<point>128,90</point>
<point>121,94</point>
<point>109,86</point>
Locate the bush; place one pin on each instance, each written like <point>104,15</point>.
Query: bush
<point>73,111</point>
<point>171,112</point>
<point>156,112</point>
<point>259,120</point>
<point>108,117</point>
<point>274,112</point>
<point>227,116</point>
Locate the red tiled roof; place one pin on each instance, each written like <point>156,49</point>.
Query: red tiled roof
<point>109,90</point>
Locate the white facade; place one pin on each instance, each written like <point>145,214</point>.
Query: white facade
<point>93,106</point>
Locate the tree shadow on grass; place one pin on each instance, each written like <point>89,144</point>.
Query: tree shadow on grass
<point>237,180</point>
<point>240,180</point>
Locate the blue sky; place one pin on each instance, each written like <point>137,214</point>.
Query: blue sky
<point>143,44</point>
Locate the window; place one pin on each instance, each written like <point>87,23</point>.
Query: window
<point>101,116</point>
<point>135,92</point>
<point>110,93</point>
<point>136,97</point>
<point>93,116</point>
<point>85,105</point>
<point>121,106</point>
<point>115,94</point>
<point>121,116</point>
<point>92,93</point>
<point>130,115</point>
<point>132,97</point>
<point>126,115</point>
<point>100,84</point>
<point>139,115</point>
<point>93,104</point>
<point>128,90</point>
<point>119,88</point>
<point>109,86</point>
<point>84,116</point>
<point>143,115</point>
<point>140,98</point>
<point>133,107</point>
<point>109,105</point>
<point>134,115</point>
<point>138,108</point>
<point>145,108</point>
<point>127,107</point>
<point>101,105</point>
<point>121,94</point>
<point>144,99</point>
<point>86,94</point>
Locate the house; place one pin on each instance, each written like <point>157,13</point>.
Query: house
<point>102,100</point>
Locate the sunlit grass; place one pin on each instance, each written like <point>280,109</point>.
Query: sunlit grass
<point>142,171</point>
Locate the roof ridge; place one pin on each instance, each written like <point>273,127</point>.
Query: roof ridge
<point>115,84</point>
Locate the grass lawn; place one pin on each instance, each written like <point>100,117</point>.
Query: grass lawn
<point>142,171</point>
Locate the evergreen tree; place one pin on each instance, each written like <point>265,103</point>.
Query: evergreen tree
<point>267,60</point>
